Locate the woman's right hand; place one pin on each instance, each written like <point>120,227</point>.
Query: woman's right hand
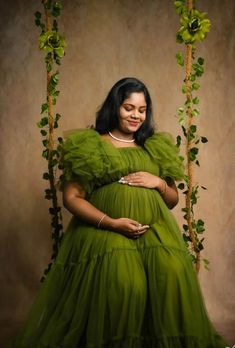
<point>129,228</point>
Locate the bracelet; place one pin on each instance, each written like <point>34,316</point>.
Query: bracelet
<point>102,218</point>
<point>162,192</point>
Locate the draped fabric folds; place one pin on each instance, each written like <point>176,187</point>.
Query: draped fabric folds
<point>109,291</point>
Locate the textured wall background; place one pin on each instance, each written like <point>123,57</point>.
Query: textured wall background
<point>108,40</point>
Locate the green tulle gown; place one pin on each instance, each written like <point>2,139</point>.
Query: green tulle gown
<point>108,291</point>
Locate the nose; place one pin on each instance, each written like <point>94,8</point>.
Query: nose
<point>135,116</point>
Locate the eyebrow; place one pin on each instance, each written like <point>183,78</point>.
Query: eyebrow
<point>142,106</point>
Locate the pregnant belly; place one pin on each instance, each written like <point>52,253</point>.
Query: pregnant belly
<point>118,200</point>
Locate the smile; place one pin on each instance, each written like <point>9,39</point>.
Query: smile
<point>133,123</point>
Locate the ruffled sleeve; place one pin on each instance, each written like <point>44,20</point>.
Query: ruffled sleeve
<point>82,158</point>
<point>162,149</point>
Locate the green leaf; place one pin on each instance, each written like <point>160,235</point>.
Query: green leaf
<point>206,262</point>
<point>204,140</point>
<point>45,142</point>
<point>195,86</point>
<point>195,112</point>
<point>188,103</point>
<point>192,77</point>
<point>200,222</point>
<point>179,38</point>
<point>196,100</point>
<point>47,4</point>
<point>185,227</point>
<point>53,163</point>
<point>60,140</point>
<point>193,128</point>
<point>37,22</point>
<point>55,153</point>
<point>184,89</point>
<point>56,9</point>
<point>192,153</point>
<point>201,60</point>
<point>199,70</point>
<point>45,153</point>
<point>38,15</point>
<point>182,120</point>
<point>46,176</point>
<point>180,111</point>
<point>55,78</point>
<point>190,136</point>
<point>200,246</point>
<point>194,150</point>
<point>57,117</point>
<point>184,131</point>
<point>180,58</point>
<point>178,140</point>
<point>43,122</point>
<point>56,93</point>
<point>44,108</point>
<point>49,67</point>
<point>43,132</point>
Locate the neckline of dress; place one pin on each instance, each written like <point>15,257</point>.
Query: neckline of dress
<point>106,141</point>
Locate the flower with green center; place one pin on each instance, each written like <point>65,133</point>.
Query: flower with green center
<point>194,27</point>
<point>51,41</point>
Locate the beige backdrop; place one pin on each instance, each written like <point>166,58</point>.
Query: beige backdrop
<point>108,40</point>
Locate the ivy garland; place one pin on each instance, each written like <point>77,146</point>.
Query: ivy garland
<point>194,26</point>
<point>53,44</point>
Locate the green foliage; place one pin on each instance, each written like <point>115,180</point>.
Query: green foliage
<point>194,26</point>
<point>53,45</point>
<point>180,58</point>
<point>52,42</point>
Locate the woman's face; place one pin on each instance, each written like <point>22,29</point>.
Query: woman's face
<point>132,113</point>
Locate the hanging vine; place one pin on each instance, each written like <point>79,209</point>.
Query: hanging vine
<point>53,44</point>
<point>194,26</point>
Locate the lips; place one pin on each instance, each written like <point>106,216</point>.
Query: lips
<point>133,124</point>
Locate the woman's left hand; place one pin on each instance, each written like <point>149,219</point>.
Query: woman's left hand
<point>143,179</point>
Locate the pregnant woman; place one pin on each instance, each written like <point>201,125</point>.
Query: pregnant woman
<point>123,277</point>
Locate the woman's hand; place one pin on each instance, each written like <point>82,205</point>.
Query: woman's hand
<point>166,188</point>
<point>128,227</point>
<point>143,179</point>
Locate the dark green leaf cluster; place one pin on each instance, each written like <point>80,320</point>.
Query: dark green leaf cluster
<point>180,6</point>
<point>194,25</point>
<point>50,41</point>
<point>55,7</point>
<point>38,21</point>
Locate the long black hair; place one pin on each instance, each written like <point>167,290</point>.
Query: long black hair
<point>107,115</point>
